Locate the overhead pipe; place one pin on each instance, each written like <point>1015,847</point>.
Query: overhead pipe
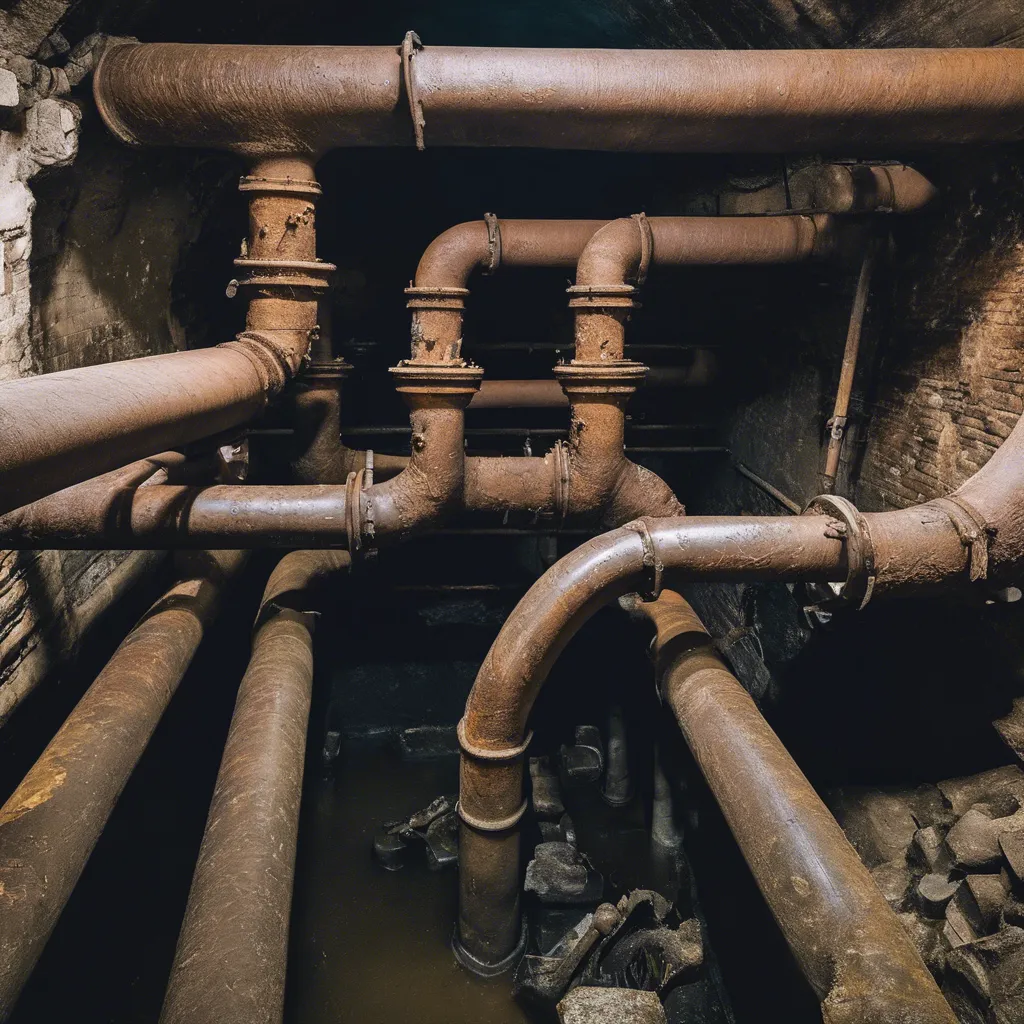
<point>975,535</point>
<point>58,429</point>
<point>258,100</point>
<point>589,478</point>
<point>851,947</point>
<point>836,188</point>
<point>52,821</point>
<point>230,962</point>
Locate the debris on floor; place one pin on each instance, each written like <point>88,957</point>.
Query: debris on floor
<point>434,828</point>
<point>949,859</point>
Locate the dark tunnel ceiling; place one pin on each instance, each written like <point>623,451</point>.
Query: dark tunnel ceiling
<point>613,23</point>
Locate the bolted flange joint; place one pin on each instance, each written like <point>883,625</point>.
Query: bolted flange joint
<point>598,377</point>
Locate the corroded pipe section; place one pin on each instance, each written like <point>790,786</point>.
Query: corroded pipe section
<point>852,949</point>
<point>437,296</point>
<point>58,429</point>
<point>50,824</point>
<point>309,99</point>
<point>617,257</point>
<point>493,731</point>
<point>229,967</point>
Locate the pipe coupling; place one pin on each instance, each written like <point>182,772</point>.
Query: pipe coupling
<point>457,381</point>
<point>845,523</point>
<point>272,363</point>
<point>440,297</point>
<point>594,377</point>
<point>601,297</point>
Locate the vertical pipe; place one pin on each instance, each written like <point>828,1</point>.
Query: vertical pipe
<point>229,967</point>
<point>50,824</point>
<point>837,424</point>
<point>618,787</point>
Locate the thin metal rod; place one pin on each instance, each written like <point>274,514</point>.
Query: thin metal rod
<point>769,489</point>
<point>837,424</point>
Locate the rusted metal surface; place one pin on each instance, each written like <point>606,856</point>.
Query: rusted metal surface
<point>50,824</point>
<point>519,394</point>
<point>230,963</point>
<point>975,536</point>
<point>58,429</point>
<point>309,99</point>
<point>493,730</point>
<point>837,188</point>
<point>617,257</point>
<point>855,953</point>
<point>837,422</point>
<point>437,296</point>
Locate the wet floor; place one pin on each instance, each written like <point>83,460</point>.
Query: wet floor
<point>371,946</point>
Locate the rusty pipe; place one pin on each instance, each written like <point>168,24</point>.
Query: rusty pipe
<point>50,824</point>
<point>229,966</point>
<point>973,536</point>
<point>59,429</point>
<point>310,99</point>
<point>617,257</point>
<point>852,949</point>
<point>437,295</point>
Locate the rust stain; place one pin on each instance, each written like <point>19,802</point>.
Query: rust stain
<point>31,793</point>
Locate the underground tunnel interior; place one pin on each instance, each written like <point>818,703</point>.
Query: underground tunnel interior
<point>899,697</point>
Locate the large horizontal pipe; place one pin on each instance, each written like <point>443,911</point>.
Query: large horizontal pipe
<point>50,824</point>
<point>310,99</point>
<point>858,958</point>
<point>229,967</point>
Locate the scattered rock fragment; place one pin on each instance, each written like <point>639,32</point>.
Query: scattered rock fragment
<point>980,899</point>
<point>585,1005</point>
<point>933,893</point>
<point>984,980</point>
<point>974,841</point>
<point>996,786</point>
<point>893,880</point>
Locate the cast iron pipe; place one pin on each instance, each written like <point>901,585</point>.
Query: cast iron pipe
<point>50,824</point>
<point>229,967</point>
<point>857,956</point>
<point>437,296</point>
<point>621,251</point>
<point>973,536</point>
<point>310,99</point>
<point>58,429</point>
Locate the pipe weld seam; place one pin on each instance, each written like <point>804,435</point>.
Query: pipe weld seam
<point>491,824</point>
<point>651,562</point>
<point>269,362</point>
<point>486,753</point>
<point>972,529</point>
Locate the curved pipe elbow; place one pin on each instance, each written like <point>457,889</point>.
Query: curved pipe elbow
<point>453,255</point>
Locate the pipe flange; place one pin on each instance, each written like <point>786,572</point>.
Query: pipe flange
<point>486,753</point>
<point>654,568</point>
<point>614,377</point>
<point>972,529</point>
<point>313,274</point>
<point>454,379</point>
<point>281,186</point>
<point>602,296</point>
<point>491,824</point>
<point>481,967</point>
<point>849,526</point>
<point>328,371</point>
<point>440,297</point>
